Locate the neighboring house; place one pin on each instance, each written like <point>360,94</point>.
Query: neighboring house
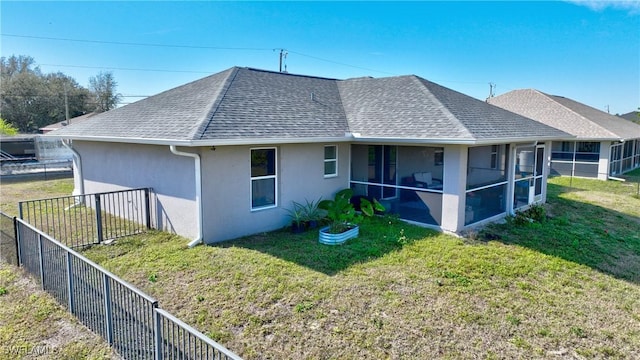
<point>227,154</point>
<point>63,123</point>
<point>632,116</point>
<point>604,145</point>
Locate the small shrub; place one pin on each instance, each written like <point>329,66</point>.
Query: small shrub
<point>534,214</point>
<point>537,213</point>
<point>3,290</point>
<point>153,277</point>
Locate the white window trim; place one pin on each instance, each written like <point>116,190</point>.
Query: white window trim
<point>494,155</point>
<point>275,177</point>
<point>326,176</point>
<point>435,152</point>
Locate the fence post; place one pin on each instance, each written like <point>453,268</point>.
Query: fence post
<point>20,210</point>
<point>99,218</point>
<point>41,260</point>
<point>147,208</point>
<point>15,238</point>
<point>158,332</point>
<point>70,282</point>
<point>107,308</point>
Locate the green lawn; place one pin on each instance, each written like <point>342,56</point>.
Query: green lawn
<point>565,288</point>
<point>32,324</point>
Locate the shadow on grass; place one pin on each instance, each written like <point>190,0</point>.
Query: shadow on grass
<point>601,238</point>
<point>378,236</point>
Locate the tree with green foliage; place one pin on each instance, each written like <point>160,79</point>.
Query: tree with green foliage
<point>103,86</point>
<point>30,99</point>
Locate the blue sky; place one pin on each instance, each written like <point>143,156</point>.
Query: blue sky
<point>588,51</point>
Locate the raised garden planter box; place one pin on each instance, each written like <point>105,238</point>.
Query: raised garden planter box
<point>337,239</point>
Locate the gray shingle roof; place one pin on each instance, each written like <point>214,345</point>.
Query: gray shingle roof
<point>632,116</point>
<point>250,105</point>
<point>263,104</point>
<point>568,115</point>
<point>175,114</point>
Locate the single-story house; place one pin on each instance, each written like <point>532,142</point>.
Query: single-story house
<point>632,116</point>
<point>226,155</point>
<point>604,145</point>
<point>63,123</point>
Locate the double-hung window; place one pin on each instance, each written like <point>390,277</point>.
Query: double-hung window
<point>330,161</point>
<point>263,178</point>
<point>494,156</point>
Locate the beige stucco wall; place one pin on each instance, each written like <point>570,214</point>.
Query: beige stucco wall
<point>115,166</point>
<point>454,186</point>
<point>226,183</point>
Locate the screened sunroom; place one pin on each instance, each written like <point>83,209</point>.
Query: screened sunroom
<point>575,158</point>
<point>407,180</point>
<point>624,156</point>
<point>493,190</point>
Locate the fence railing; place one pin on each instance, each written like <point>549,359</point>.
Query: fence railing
<point>90,219</point>
<point>127,318</point>
<point>8,241</point>
<point>177,340</point>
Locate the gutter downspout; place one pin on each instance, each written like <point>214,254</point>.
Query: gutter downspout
<point>76,155</point>
<point>198,177</point>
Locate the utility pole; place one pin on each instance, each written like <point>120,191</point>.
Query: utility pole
<point>608,110</point>
<point>66,104</point>
<point>492,88</point>
<point>283,54</point>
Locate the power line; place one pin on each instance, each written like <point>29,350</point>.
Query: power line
<point>181,46</point>
<point>61,95</point>
<point>340,63</point>
<point>138,44</point>
<point>201,47</point>
<point>128,69</point>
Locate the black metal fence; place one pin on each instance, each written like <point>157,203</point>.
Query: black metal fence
<point>127,318</point>
<point>90,219</point>
<point>177,340</point>
<point>8,242</point>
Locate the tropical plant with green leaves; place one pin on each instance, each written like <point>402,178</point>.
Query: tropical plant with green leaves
<point>311,212</point>
<point>296,213</point>
<point>7,129</point>
<point>343,215</point>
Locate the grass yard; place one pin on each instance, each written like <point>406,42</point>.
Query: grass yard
<point>32,324</point>
<point>567,288</point>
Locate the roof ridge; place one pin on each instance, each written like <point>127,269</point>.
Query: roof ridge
<point>550,97</point>
<point>421,81</point>
<point>336,83</point>
<point>198,132</point>
<point>288,73</point>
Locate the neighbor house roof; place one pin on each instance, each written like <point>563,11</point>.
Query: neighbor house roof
<point>632,116</point>
<point>250,106</point>
<point>63,123</point>
<point>568,115</point>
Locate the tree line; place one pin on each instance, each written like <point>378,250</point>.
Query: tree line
<point>31,99</point>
